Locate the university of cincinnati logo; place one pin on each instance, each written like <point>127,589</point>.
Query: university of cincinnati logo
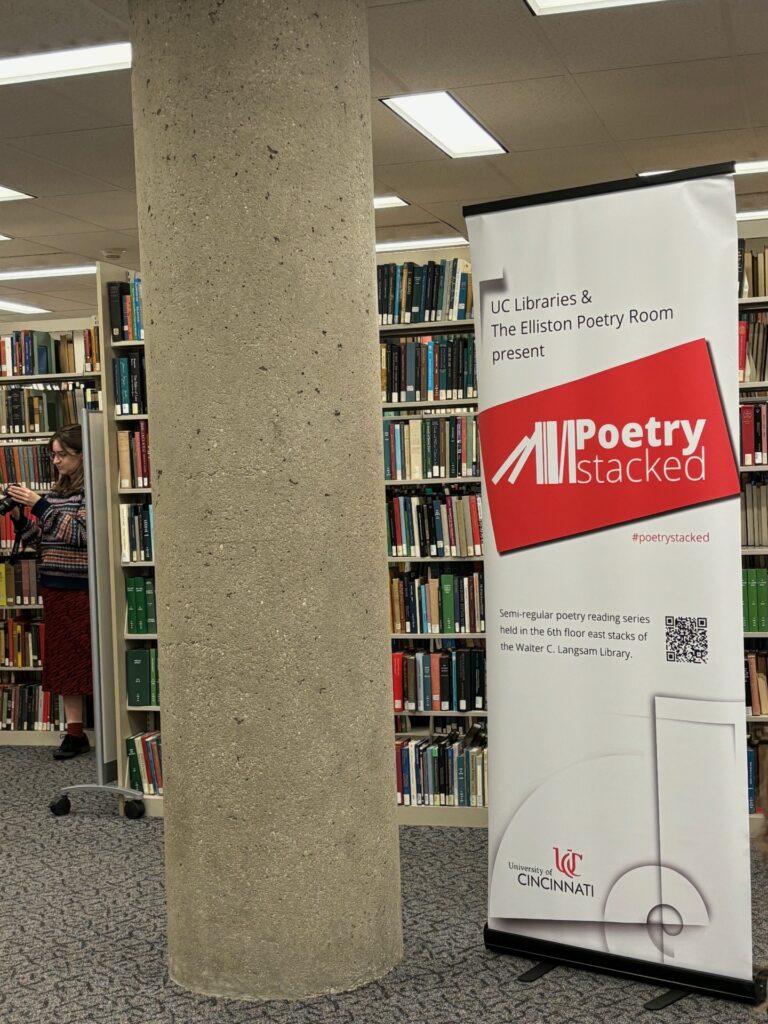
<point>566,863</point>
<point>579,451</point>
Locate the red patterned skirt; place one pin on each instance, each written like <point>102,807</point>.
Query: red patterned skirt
<point>67,654</point>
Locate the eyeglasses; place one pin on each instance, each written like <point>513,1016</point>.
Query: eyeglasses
<point>56,456</point>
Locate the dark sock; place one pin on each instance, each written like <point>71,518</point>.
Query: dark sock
<point>75,729</point>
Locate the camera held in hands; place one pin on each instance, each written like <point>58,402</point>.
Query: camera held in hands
<point>7,503</point>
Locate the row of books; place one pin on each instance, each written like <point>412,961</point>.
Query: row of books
<point>22,643</point>
<point>425,447</point>
<point>137,532</point>
<point>754,593</point>
<point>24,353</point>
<point>18,584</point>
<point>754,510</point>
<point>414,723</point>
<point>27,707</point>
<point>753,346</point>
<point>43,408</point>
<point>754,433</point>
<point>412,293</point>
<point>145,763</point>
<point>753,270</point>
<point>130,381</point>
<point>754,765</point>
<point>140,604</point>
<point>428,369</point>
<point>439,680</point>
<point>435,525</point>
<point>756,682</point>
<point>142,682</point>
<point>126,313</point>
<point>26,463</point>
<point>444,771</point>
<point>430,601</point>
<point>133,456</point>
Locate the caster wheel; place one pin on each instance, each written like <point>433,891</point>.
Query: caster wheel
<point>134,809</point>
<point>61,806</point>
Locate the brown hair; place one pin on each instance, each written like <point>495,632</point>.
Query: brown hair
<point>71,440</point>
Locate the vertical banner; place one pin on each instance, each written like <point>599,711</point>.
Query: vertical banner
<point>607,371</point>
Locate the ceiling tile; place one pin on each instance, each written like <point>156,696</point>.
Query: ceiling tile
<point>402,215</point>
<point>53,25</point>
<point>545,169</point>
<point>450,213</point>
<point>667,99</point>
<point>39,108</point>
<point>40,177</point>
<point>406,233</point>
<point>25,219</point>
<point>396,142</point>
<point>383,82</point>
<point>444,44</point>
<point>752,73</point>
<point>116,209</point>
<point>19,248</point>
<point>673,152</point>
<point>538,114</point>
<point>749,25</point>
<point>106,153</point>
<point>750,184</point>
<point>625,37</point>
<point>108,95</point>
<point>33,261</point>
<point>90,244</point>
<point>436,180</point>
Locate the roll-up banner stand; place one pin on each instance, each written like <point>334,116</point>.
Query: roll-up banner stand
<point>609,424</point>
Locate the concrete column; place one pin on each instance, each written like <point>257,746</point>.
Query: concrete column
<point>253,161</point>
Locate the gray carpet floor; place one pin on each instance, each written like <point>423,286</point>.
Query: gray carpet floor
<point>82,931</point>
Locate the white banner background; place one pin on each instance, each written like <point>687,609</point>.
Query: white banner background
<point>637,764</point>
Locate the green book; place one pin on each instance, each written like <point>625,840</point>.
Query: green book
<point>446,605</point>
<point>744,601</point>
<point>134,775</point>
<point>149,590</point>
<point>141,605</point>
<point>752,599</point>
<point>762,600</point>
<point>154,684</point>
<point>137,676</point>
<point>125,385</point>
<point>130,604</point>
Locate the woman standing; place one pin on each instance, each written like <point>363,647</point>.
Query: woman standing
<point>60,536</point>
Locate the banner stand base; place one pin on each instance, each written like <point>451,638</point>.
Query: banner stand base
<point>666,999</point>
<point>537,972</point>
<point>752,991</point>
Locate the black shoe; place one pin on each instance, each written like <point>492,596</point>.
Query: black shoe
<point>71,746</point>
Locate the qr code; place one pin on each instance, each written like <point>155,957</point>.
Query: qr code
<point>687,639</point>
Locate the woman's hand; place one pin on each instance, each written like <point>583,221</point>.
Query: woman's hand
<point>23,495</point>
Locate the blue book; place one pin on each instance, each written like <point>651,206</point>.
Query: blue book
<point>430,370</point>
<point>752,779</point>
<point>398,457</point>
<point>460,771</point>
<point>423,616</point>
<point>463,297</point>
<point>454,682</point>
<point>396,304</point>
<point>405,765</point>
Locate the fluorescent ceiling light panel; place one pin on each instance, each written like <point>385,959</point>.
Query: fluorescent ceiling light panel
<point>6,194</point>
<point>24,275</point>
<point>64,63</point>
<point>752,215</point>
<point>445,122</point>
<point>19,307</point>
<point>387,202</point>
<point>566,6</point>
<point>421,243</point>
<point>5,238</point>
<point>752,167</point>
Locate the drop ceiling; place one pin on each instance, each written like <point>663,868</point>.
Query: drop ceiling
<point>575,99</point>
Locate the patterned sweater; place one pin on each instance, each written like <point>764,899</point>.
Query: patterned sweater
<point>60,536</point>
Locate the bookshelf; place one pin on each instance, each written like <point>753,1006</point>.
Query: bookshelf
<point>439,429</point>
<point>128,430</point>
<point>49,370</point>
